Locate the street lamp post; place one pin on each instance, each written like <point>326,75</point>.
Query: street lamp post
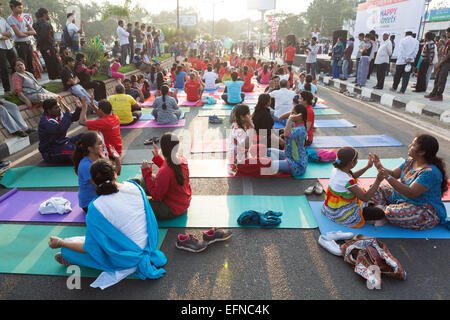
<point>213,17</point>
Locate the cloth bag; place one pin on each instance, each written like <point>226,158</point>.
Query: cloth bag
<point>55,205</point>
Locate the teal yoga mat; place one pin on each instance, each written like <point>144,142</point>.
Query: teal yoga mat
<point>325,112</point>
<point>323,170</point>
<point>24,249</point>
<point>50,177</point>
<point>386,231</point>
<point>223,212</point>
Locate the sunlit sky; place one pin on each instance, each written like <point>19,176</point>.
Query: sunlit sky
<point>230,9</point>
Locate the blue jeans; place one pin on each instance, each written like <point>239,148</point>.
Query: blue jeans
<point>345,69</point>
<point>279,162</point>
<point>363,69</point>
<point>336,69</point>
<point>80,92</point>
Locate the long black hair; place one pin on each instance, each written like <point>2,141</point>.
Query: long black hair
<point>164,93</point>
<point>159,80</point>
<point>301,109</point>
<point>308,80</point>
<point>263,101</point>
<point>430,146</point>
<point>169,148</point>
<point>89,139</point>
<point>103,173</point>
<point>308,97</point>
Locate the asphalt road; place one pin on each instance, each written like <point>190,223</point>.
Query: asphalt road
<point>267,264</point>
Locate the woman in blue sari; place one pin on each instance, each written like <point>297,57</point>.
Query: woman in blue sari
<point>122,232</point>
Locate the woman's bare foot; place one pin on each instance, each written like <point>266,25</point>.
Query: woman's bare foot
<point>55,242</point>
<point>59,258</point>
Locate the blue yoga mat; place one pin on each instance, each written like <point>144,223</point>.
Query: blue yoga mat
<point>355,141</point>
<point>335,123</point>
<point>386,231</point>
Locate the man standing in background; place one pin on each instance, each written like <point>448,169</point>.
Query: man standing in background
<point>22,32</point>
<point>7,53</point>
<point>408,49</point>
<point>311,59</point>
<point>124,43</point>
<point>382,60</point>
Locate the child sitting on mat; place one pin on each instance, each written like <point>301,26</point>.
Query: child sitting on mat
<point>89,149</point>
<point>194,88</point>
<point>170,191</point>
<point>294,159</point>
<point>345,202</point>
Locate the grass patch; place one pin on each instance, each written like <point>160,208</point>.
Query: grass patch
<point>100,77</point>
<point>12,98</point>
<point>126,69</point>
<point>54,86</point>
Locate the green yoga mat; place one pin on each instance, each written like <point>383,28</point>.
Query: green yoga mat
<point>24,249</point>
<point>223,212</point>
<point>52,177</point>
<point>323,170</point>
<point>325,112</point>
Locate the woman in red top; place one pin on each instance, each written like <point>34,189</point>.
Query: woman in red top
<point>248,74</point>
<point>306,99</point>
<point>170,191</point>
<point>193,88</point>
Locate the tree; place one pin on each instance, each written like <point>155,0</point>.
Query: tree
<point>117,11</point>
<point>330,14</point>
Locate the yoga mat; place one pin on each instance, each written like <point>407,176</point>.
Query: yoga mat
<point>146,104</point>
<point>24,249</point>
<point>320,106</point>
<point>323,170</point>
<point>223,212</point>
<point>53,177</point>
<point>152,124</point>
<point>386,231</point>
<point>146,117</point>
<point>338,123</point>
<point>367,182</point>
<point>325,112</point>
<point>209,113</point>
<point>214,168</point>
<point>355,141</point>
<point>186,103</point>
<point>223,107</point>
<point>23,206</point>
<point>209,146</point>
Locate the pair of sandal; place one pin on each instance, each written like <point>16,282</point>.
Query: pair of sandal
<point>315,189</point>
<point>150,142</point>
<point>215,120</point>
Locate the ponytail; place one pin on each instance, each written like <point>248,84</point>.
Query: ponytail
<point>103,173</point>
<point>170,143</point>
<point>345,155</point>
<point>164,92</point>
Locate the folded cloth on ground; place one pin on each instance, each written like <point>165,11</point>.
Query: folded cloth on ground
<point>55,205</point>
<point>254,218</point>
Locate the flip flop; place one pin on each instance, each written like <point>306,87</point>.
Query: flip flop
<point>151,141</point>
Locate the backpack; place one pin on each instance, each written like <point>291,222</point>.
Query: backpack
<point>66,39</point>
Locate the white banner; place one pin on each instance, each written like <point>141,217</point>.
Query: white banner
<point>391,16</point>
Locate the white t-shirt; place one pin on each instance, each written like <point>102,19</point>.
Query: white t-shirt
<point>341,181</point>
<point>284,100</point>
<point>285,77</point>
<point>123,36</point>
<point>210,80</point>
<point>315,35</point>
<point>73,30</point>
<point>312,55</point>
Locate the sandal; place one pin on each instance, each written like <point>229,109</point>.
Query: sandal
<point>149,142</point>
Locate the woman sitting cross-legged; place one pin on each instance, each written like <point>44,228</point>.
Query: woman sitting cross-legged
<point>415,201</point>
<point>122,232</point>
<point>166,110</point>
<point>170,190</point>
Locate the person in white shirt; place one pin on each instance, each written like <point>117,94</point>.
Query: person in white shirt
<point>74,32</point>
<point>210,78</point>
<point>311,59</point>
<point>408,49</point>
<point>124,42</point>
<point>7,53</point>
<point>284,99</point>
<point>382,60</point>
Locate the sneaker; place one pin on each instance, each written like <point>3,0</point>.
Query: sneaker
<point>216,235</point>
<point>330,245</point>
<point>189,243</point>
<point>338,235</point>
<point>437,98</point>
<point>215,119</point>
<point>429,96</point>
<point>4,166</point>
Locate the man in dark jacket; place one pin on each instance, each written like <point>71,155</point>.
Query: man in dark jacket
<point>54,145</point>
<point>46,43</point>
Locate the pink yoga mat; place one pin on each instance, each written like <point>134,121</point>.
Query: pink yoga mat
<point>209,146</point>
<point>190,103</point>
<point>147,104</point>
<point>367,182</point>
<point>152,124</point>
<point>23,206</point>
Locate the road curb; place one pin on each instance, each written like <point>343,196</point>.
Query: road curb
<point>386,99</point>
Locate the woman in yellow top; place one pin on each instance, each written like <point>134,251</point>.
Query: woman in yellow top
<point>125,107</point>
